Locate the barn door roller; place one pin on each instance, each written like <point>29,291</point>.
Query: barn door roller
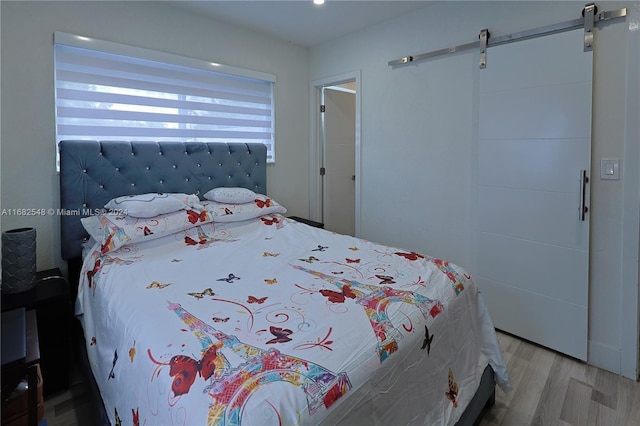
<point>588,13</point>
<point>590,17</point>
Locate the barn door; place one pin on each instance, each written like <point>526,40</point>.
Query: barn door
<point>533,168</point>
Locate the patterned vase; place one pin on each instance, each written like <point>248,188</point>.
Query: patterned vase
<point>18,260</point>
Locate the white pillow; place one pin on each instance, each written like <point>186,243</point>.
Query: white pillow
<point>227,212</point>
<point>113,230</point>
<point>231,195</point>
<point>151,204</point>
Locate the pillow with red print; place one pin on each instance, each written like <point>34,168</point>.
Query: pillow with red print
<point>228,212</point>
<point>114,230</point>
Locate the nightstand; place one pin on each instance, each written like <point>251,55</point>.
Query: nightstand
<point>51,301</point>
<point>20,356</point>
<point>307,222</point>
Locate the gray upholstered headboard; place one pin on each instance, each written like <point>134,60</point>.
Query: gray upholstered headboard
<point>92,173</point>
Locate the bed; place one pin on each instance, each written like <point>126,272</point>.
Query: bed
<point>228,313</point>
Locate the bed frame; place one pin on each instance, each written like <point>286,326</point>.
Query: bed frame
<point>94,172</point>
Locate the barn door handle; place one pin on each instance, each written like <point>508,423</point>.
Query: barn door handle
<point>582,208</point>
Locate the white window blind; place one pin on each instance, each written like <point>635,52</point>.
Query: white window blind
<point>102,95</point>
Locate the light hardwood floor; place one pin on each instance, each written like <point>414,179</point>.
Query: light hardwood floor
<point>552,389</point>
<point>548,389</point>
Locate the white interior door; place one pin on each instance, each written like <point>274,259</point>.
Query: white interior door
<point>534,139</point>
<point>339,161</point>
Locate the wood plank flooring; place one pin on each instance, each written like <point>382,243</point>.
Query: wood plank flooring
<point>548,389</point>
<point>552,389</point>
<point>70,408</point>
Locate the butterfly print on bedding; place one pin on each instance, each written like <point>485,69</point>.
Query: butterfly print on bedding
<point>253,299</point>
<point>281,335</point>
<point>146,231</point>
<point>339,297</point>
<point>231,278</point>
<point>310,259</point>
<point>156,284</point>
<point>218,319</point>
<point>428,338</point>
<point>271,281</point>
<point>118,421</point>
<point>112,374</point>
<point>410,256</point>
<point>452,393</point>
<point>184,370</point>
<point>132,352</point>
<point>136,417</point>
<point>268,221</point>
<point>261,204</point>
<point>385,279</point>
<point>352,260</point>
<point>93,272</point>
<point>191,242</point>
<point>194,216</point>
<point>205,292</point>
<point>320,248</point>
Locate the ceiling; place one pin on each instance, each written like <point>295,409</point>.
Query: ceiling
<point>300,21</point>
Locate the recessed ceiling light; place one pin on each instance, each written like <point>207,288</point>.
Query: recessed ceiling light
<point>318,1</point>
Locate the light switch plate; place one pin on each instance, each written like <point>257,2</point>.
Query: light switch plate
<point>610,168</point>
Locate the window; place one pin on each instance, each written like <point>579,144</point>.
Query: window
<point>107,91</point>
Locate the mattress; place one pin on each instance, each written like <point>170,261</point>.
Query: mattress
<point>266,320</point>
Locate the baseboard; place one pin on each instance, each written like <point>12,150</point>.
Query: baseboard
<point>605,357</point>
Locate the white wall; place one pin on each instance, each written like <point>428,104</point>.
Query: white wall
<point>28,176</point>
<point>418,144</point>
<point>418,126</point>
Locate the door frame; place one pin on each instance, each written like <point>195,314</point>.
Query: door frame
<point>630,277</point>
<point>316,148</point>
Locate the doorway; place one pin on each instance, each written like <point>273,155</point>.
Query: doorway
<point>338,174</point>
<point>335,153</point>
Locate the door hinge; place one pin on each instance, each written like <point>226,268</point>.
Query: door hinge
<point>323,108</point>
<point>323,171</point>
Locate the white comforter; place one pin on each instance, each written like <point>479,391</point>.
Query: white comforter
<point>270,321</point>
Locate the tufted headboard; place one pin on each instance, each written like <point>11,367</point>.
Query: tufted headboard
<point>92,173</point>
